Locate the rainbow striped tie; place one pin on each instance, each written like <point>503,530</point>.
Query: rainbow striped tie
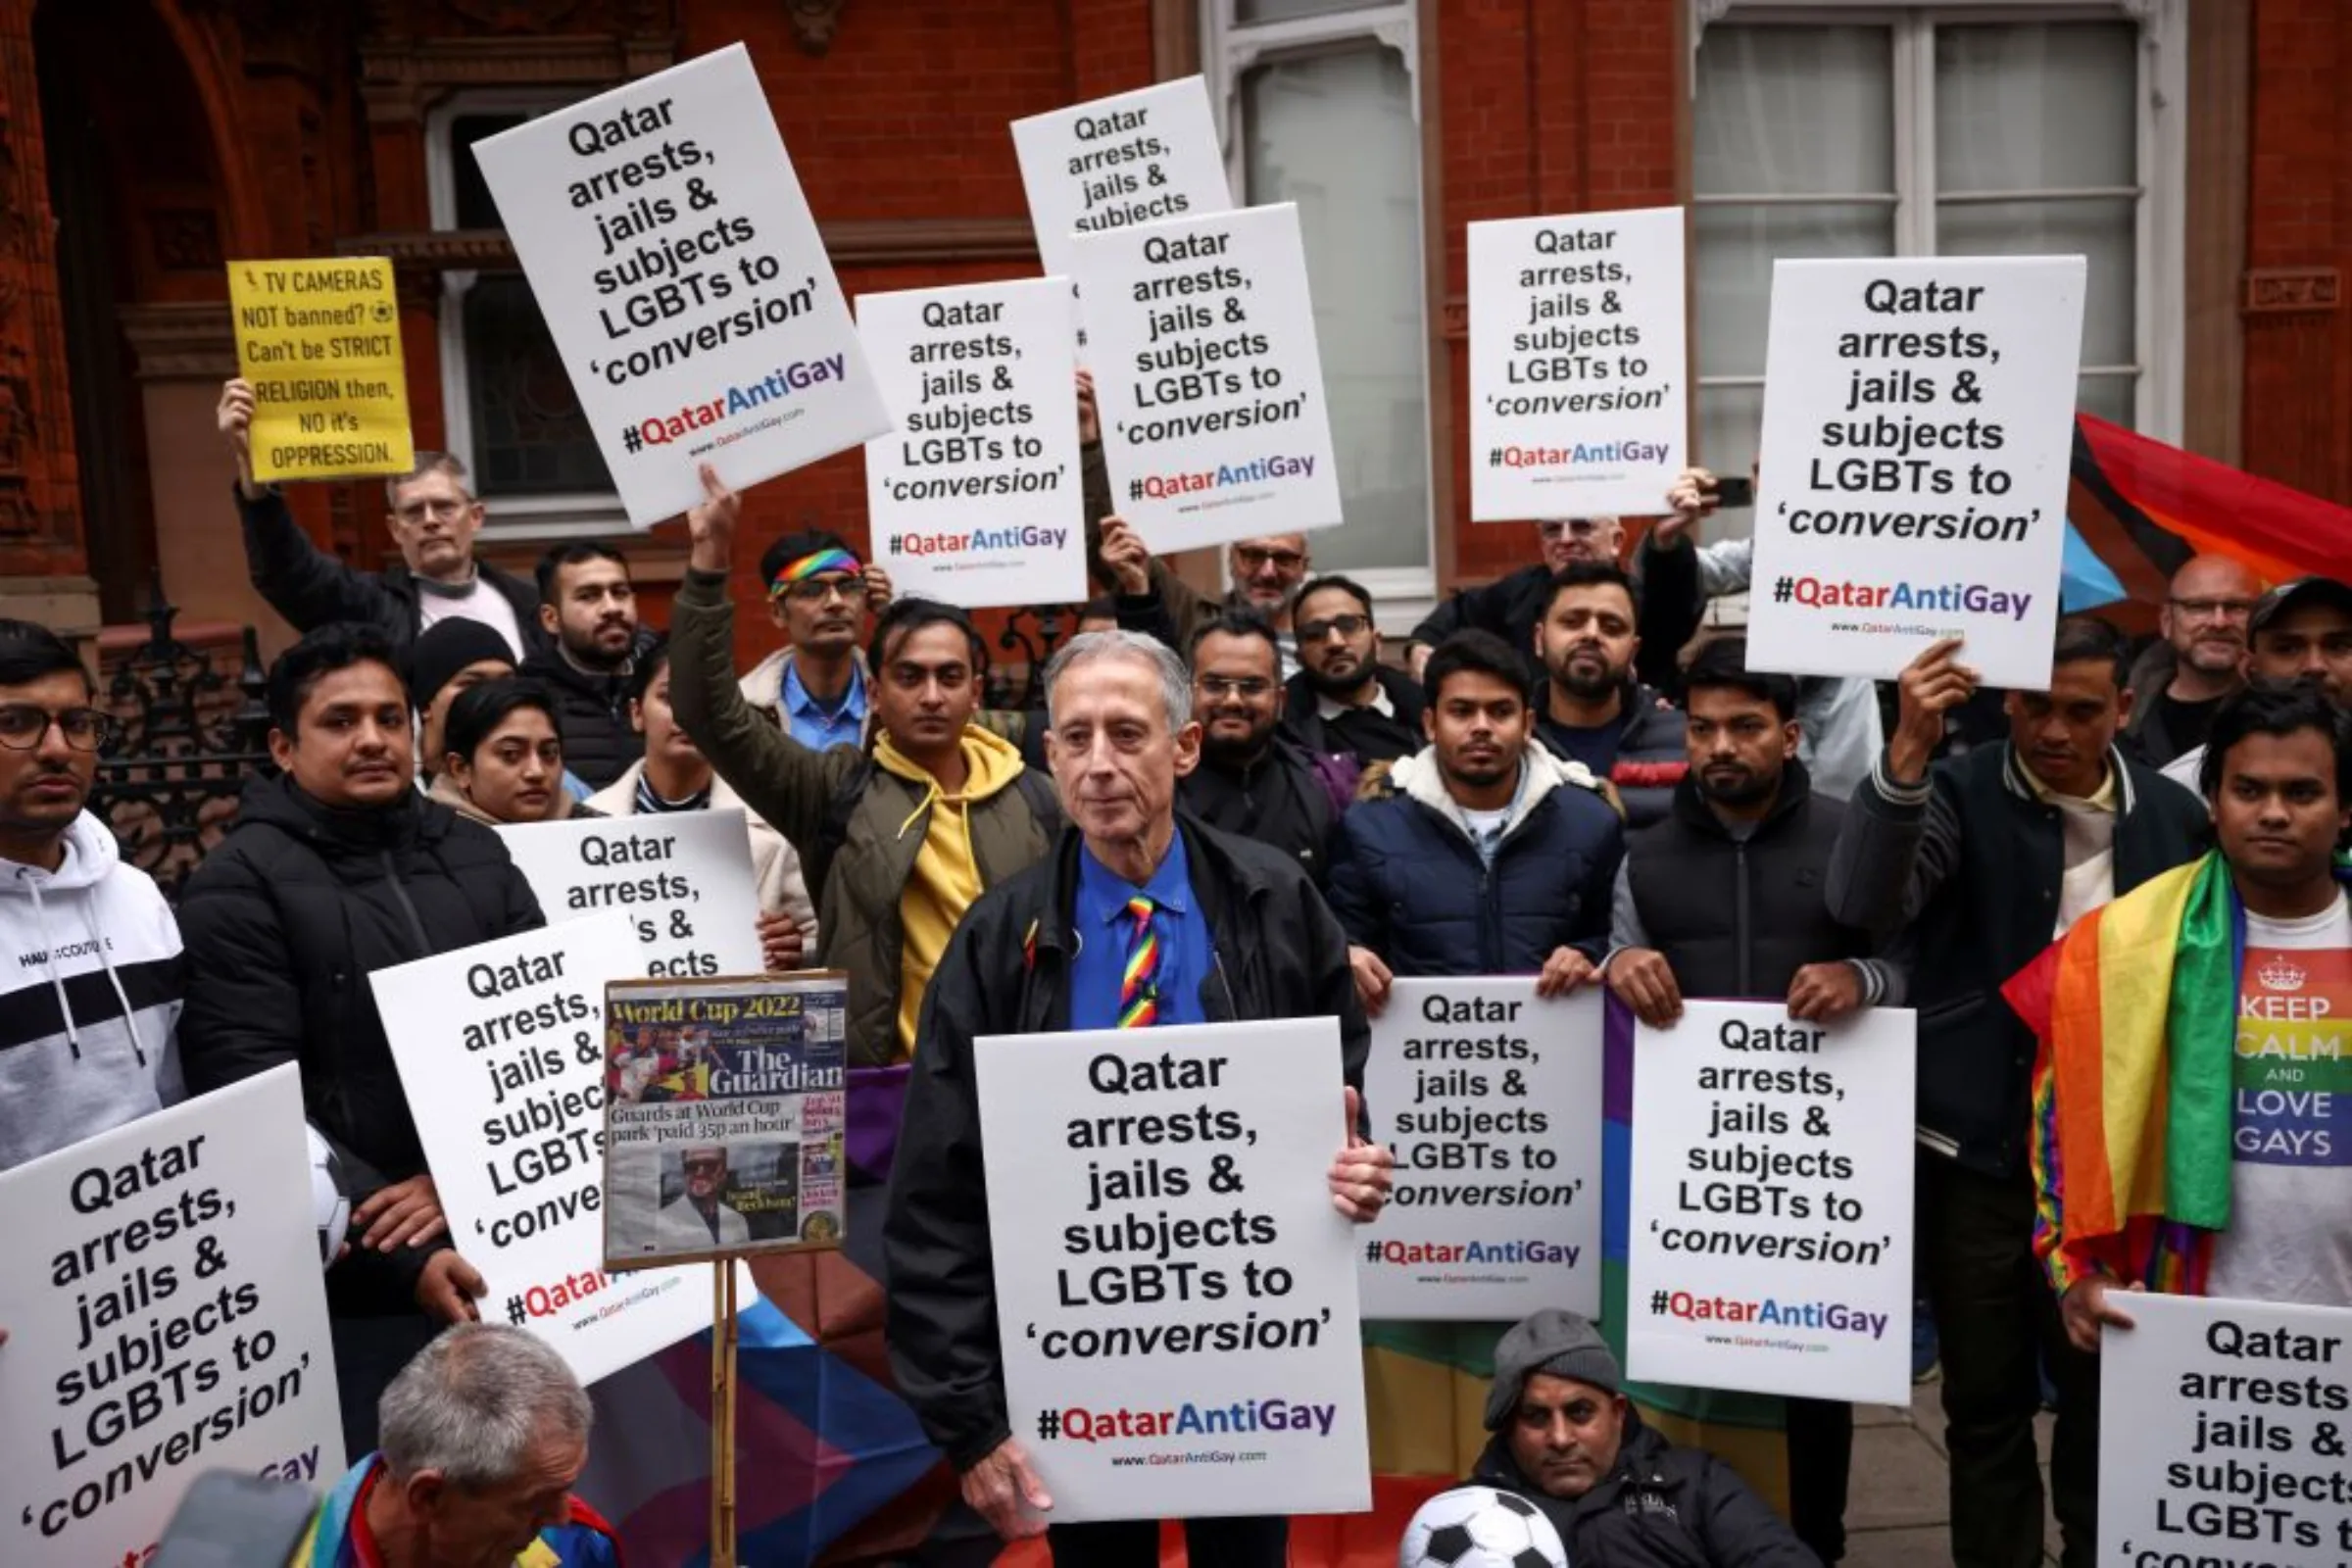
<point>1139,982</point>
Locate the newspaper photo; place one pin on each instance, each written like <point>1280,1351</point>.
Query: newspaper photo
<point>723,1116</point>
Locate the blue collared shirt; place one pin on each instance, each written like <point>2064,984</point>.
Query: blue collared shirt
<point>812,722</point>
<point>1102,923</point>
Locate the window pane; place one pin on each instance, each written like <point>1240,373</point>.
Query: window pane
<point>2037,106</point>
<point>1335,134</point>
<point>1730,418</point>
<point>1737,246</point>
<point>1249,11</point>
<point>2101,231</point>
<point>529,436</point>
<point>1783,111</point>
<point>475,209</point>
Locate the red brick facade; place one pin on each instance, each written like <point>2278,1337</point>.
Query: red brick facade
<point>275,127</point>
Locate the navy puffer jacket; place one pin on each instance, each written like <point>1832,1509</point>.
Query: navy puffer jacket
<point>1407,882</point>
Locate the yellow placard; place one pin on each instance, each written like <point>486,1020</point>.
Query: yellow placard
<point>319,340</point>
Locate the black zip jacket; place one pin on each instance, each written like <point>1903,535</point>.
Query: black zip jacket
<point>1277,953</point>
<point>1365,733</point>
<point>1276,800</point>
<point>592,715</point>
<point>1660,1507</point>
<point>1971,861</point>
<point>284,922</point>
<point>312,588</point>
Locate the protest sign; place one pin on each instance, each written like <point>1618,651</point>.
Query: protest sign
<point>166,1316</point>
<point>1578,396</point>
<point>684,879</point>
<point>672,252</point>
<point>1489,1098</point>
<point>1918,436</point>
<point>2221,1434</point>
<point>1771,1203</point>
<point>501,1051</point>
<point>723,1116</point>
<point>319,340</point>
<point>1134,158</point>
<point>975,499</point>
<point>1214,423</point>
<point>1175,1294</point>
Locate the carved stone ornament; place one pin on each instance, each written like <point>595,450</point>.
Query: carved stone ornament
<point>813,23</point>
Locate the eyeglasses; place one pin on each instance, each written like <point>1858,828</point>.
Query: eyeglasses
<point>1228,686</point>
<point>1252,558</point>
<point>2213,609</point>
<point>23,726</point>
<point>419,510</point>
<point>816,590</point>
<point>704,1167</point>
<point>1314,632</point>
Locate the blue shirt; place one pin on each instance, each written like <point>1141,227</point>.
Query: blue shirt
<point>1103,925</point>
<point>814,724</point>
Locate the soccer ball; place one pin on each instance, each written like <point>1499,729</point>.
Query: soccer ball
<point>1478,1527</point>
<point>329,1206</point>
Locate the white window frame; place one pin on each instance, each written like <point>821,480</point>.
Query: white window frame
<point>2160,214</point>
<point>587,515</point>
<point>1402,594</point>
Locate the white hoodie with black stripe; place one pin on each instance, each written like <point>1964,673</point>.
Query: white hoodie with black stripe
<point>90,985</point>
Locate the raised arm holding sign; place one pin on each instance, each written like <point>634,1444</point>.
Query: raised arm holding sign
<point>673,255</point>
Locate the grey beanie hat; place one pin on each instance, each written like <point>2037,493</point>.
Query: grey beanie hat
<point>1551,1341</point>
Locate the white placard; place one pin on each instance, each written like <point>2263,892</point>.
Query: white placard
<point>1771,1205</point>
<point>166,1316</point>
<point>1176,1296</point>
<point>683,878</point>
<point>1202,338</point>
<point>501,1050</point>
<point>1134,158</point>
<point>1489,1096</point>
<point>1578,400</point>
<point>975,499</point>
<point>672,252</point>
<point>2223,1428</point>
<point>1918,440</point>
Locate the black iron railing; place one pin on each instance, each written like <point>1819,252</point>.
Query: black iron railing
<point>187,738</point>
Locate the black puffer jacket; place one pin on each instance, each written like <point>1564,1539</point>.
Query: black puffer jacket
<point>1407,882</point>
<point>592,714</point>
<point>1661,1507</point>
<point>284,922</point>
<point>1277,954</point>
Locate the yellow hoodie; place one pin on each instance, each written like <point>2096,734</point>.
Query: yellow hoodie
<point>947,873</point>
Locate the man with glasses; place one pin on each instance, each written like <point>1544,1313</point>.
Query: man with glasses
<point>434,520</point>
<point>90,968</point>
<point>1254,780</point>
<point>1343,701</point>
<point>2301,632</point>
<point>1511,605</point>
<point>818,594</point>
<point>1152,599</point>
<point>2199,658</point>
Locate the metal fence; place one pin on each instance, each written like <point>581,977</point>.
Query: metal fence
<point>189,737</point>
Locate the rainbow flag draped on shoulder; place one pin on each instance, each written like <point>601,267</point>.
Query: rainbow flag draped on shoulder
<point>2137,1011</point>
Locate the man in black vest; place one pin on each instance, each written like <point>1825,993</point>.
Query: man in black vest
<point>1986,860</point>
<point>1723,898</point>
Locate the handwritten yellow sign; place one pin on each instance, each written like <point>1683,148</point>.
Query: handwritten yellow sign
<point>319,340</point>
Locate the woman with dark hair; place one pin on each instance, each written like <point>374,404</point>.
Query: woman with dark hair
<point>503,757</point>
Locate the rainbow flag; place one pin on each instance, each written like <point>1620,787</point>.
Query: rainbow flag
<point>2137,1011</point>
<point>2144,509</point>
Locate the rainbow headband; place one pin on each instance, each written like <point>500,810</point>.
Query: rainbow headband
<point>809,565</point>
